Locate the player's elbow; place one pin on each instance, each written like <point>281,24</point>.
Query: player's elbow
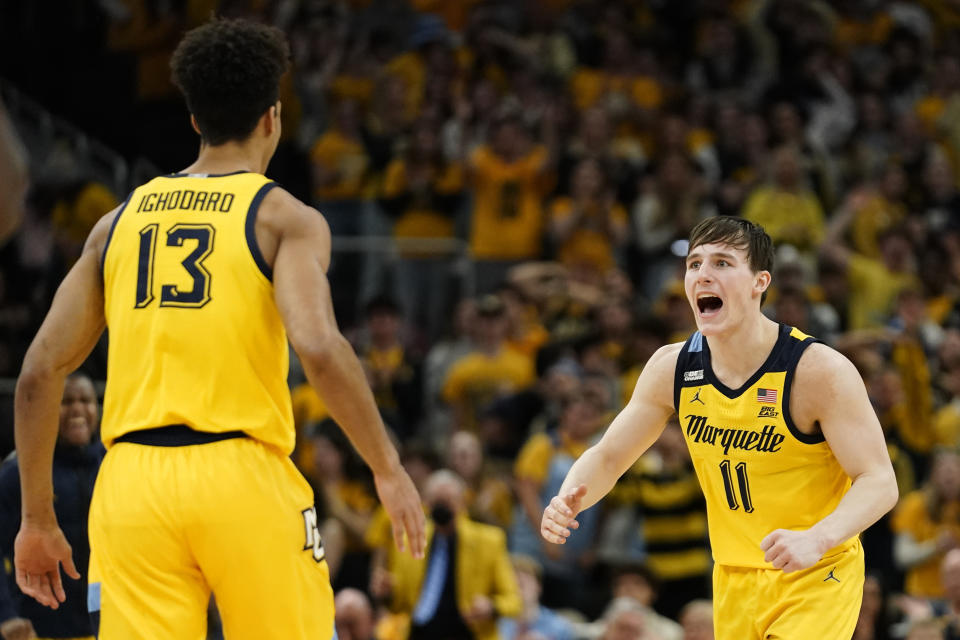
<point>34,373</point>
<point>890,493</point>
<point>321,349</point>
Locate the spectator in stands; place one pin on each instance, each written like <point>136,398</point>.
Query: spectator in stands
<point>626,619</point>
<point>589,227</point>
<point>354,615</point>
<point>490,371</point>
<point>873,622</point>
<point>347,497</point>
<point>465,582</point>
<point>13,174</point>
<point>75,463</point>
<point>534,618</point>
<point>786,208</point>
<point>394,372</point>
<point>668,207</point>
<point>874,284</point>
<point>488,497</point>
<point>666,492</point>
<point>422,193</point>
<point>510,177</point>
<point>539,470</point>
<point>927,524</point>
<point>696,618</point>
<point>635,582</point>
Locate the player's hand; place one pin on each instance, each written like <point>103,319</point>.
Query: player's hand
<point>38,553</point>
<point>402,502</point>
<point>558,517</point>
<point>17,629</point>
<point>793,550</point>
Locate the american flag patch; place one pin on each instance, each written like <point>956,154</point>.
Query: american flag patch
<point>768,396</point>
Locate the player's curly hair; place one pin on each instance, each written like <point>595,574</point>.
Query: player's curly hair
<point>229,72</point>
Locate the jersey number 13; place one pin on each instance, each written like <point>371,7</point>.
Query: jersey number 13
<point>171,295</point>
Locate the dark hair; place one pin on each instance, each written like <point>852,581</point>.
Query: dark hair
<point>229,72</point>
<point>740,234</point>
<point>382,304</point>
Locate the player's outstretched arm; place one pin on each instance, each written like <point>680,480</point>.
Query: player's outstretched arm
<point>68,334</point>
<point>828,389</point>
<point>631,433</point>
<point>302,292</point>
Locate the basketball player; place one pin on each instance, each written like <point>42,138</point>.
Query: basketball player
<point>786,446</point>
<point>201,277</point>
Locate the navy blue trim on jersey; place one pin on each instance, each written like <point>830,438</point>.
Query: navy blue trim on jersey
<point>770,364</point>
<point>251,234</point>
<point>690,358</point>
<point>805,438</point>
<point>206,175</point>
<point>176,435</point>
<point>113,225</point>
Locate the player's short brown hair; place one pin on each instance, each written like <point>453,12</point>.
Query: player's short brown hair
<point>229,72</point>
<point>739,233</point>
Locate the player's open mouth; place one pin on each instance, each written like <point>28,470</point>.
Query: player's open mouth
<point>708,304</point>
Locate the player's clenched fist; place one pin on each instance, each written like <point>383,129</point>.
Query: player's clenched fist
<point>792,550</point>
<point>558,517</point>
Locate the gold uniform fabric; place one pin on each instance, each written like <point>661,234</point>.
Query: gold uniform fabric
<point>196,339</point>
<point>195,335</point>
<point>760,473</point>
<point>170,525</point>
<point>755,467</point>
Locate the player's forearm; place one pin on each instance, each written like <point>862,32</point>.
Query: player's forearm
<point>36,414</point>
<point>335,372</point>
<point>596,472</point>
<point>870,496</point>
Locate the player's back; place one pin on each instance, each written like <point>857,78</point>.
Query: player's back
<point>195,335</point>
<point>758,471</point>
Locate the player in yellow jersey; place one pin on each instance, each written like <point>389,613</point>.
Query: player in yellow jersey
<point>201,278</point>
<point>784,441</point>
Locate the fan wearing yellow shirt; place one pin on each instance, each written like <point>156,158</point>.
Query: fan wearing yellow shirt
<point>510,177</point>
<point>784,441</point>
<point>204,278</point>
<point>491,370</point>
<point>589,226</point>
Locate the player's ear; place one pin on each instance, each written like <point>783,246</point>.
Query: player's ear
<point>762,282</point>
<point>271,119</point>
<point>196,127</point>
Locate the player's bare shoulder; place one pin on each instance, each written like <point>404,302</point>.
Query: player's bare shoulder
<point>283,216</point>
<point>656,380</point>
<point>823,378</point>
<point>100,234</point>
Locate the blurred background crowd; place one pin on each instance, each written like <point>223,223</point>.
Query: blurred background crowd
<point>510,186</point>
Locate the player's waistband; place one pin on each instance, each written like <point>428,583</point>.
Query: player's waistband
<point>176,435</point>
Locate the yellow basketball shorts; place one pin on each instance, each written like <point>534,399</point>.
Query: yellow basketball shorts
<point>766,604</point>
<point>171,524</point>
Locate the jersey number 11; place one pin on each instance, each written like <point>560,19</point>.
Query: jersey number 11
<point>744,485</point>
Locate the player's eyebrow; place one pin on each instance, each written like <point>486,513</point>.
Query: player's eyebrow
<point>717,254</point>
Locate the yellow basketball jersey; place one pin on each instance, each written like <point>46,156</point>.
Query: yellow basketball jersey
<point>195,335</point>
<point>757,470</point>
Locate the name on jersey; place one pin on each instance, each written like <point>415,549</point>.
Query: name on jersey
<point>767,440</point>
<point>186,200</point>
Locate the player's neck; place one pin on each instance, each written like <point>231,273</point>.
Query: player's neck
<point>735,356</point>
<point>228,158</point>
